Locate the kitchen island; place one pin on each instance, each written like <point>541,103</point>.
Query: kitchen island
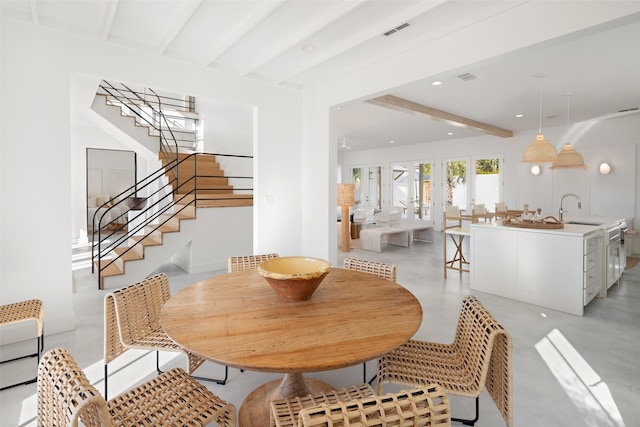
<point>561,269</point>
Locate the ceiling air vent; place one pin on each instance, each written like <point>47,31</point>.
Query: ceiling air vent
<point>468,76</point>
<point>627,110</point>
<point>396,29</point>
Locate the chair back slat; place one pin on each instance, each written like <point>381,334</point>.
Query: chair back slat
<point>112,345</point>
<point>379,269</point>
<point>66,396</point>
<point>248,262</point>
<point>424,406</point>
<point>132,320</point>
<point>499,381</point>
<point>475,339</point>
<point>480,356</point>
<point>138,307</point>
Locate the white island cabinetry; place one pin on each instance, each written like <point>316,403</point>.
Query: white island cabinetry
<point>559,269</point>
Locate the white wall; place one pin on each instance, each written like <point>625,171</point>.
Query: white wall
<point>36,162</point>
<point>215,242</point>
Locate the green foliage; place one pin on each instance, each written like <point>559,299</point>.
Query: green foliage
<point>487,166</point>
<point>456,175</point>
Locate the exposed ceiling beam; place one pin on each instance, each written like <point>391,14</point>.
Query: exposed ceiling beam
<point>33,7</point>
<point>358,38</point>
<point>187,12</point>
<point>259,14</point>
<point>320,23</point>
<point>406,106</point>
<point>112,6</point>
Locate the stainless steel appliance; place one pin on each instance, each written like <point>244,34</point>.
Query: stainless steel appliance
<point>623,250</point>
<point>616,257</point>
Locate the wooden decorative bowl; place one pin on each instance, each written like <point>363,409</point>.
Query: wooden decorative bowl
<point>294,278</point>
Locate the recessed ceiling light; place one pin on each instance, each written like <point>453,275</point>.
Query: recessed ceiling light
<point>519,115</point>
<point>450,133</point>
<point>307,47</point>
<point>436,83</point>
<point>392,142</point>
<point>338,108</point>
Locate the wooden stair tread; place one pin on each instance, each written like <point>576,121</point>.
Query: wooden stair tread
<point>146,240</point>
<point>164,228</point>
<point>108,270</point>
<point>126,255</point>
<point>224,203</point>
<point>220,196</point>
<point>178,216</point>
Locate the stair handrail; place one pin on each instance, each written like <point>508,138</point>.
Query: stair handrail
<point>164,148</point>
<point>163,196</point>
<point>163,204</point>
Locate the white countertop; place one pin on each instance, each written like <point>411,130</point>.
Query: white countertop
<point>568,230</point>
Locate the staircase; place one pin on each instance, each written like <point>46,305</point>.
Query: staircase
<point>167,219</point>
<point>203,171</point>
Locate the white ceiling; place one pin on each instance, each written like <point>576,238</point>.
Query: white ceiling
<point>298,42</point>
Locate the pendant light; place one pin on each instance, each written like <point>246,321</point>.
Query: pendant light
<point>540,150</point>
<point>568,157</point>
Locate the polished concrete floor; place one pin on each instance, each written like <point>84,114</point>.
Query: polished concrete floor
<point>568,370</point>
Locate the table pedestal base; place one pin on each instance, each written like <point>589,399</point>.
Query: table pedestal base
<point>256,408</point>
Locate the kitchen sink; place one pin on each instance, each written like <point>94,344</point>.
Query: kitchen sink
<point>595,224</point>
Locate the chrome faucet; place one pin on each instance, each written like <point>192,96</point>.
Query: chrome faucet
<point>562,211</point>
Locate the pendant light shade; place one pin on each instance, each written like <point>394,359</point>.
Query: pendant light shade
<point>569,157</point>
<point>540,150</point>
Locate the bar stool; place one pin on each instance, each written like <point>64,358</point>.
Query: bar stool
<point>20,312</point>
<point>457,233</point>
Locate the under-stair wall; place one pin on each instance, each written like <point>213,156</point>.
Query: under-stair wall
<point>202,244</point>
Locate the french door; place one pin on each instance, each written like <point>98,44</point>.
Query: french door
<point>455,182</point>
<point>368,186</point>
<point>488,182</point>
<point>411,184</point>
<point>467,183</point>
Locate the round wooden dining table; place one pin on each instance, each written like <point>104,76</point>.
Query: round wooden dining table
<point>237,320</point>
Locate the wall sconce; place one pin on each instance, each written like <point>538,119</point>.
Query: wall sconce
<point>535,170</point>
<point>605,168</point>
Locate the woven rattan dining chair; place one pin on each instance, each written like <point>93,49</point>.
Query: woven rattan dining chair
<point>284,412</point>
<point>480,356</point>
<point>132,321</point>
<point>424,406</point>
<point>379,269</point>
<point>248,262</point>
<point>65,396</point>
<point>23,311</point>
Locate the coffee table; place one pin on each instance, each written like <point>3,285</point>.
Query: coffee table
<point>237,320</point>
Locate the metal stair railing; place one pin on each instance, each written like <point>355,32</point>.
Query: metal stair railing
<point>161,195</point>
<point>152,112</point>
<point>170,199</point>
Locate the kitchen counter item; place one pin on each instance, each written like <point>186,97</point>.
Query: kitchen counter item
<point>548,222</point>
